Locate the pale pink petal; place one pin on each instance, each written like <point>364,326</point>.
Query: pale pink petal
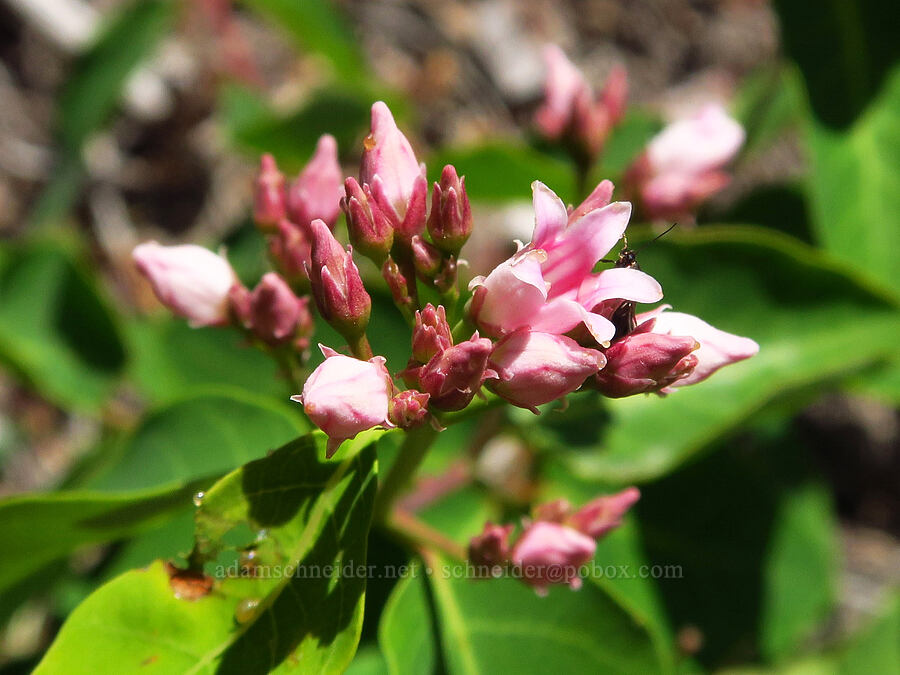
<point>707,140</point>
<point>550,215</point>
<point>619,282</point>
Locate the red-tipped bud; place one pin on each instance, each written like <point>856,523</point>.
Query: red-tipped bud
<point>490,549</point>
<point>408,409</point>
<point>603,514</point>
<point>426,258</point>
<point>450,221</point>
<point>270,198</point>
<point>276,314</point>
<point>644,362</point>
<point>337,287</point>
<point>431,333</point>
<point>290,251</point>
<point>453,376</point>
<point>397,283</point>
<point>548,553</point>
<point>316,192</point>
<point>370,230</point>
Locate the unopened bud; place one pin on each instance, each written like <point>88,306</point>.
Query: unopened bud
<point>643,362</point>
<point>337,287</point>
<point>454,375</point>
<point>431,333</point>
<point>276,314</point>
<point>603,514</point>
<point>316,192</point>
<point>397,283</point>
<point>290,250</point>
<point>490,549</point>
<point>450,221</point>
<point>270,198</point>
<point>408,409</point>
<point>426,259</point>
<point>370,230</point>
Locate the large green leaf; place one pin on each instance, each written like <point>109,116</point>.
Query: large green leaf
<point>814,323</point>
<point>844,48</point>
<point>406,632</point>
<point>800,570</point>
<point>854,187</point>
<point>55,328</point>
<point>305,520</point>
<point>502,626</point>
<point>38,529</point>
<point>172,360</point>
<point>876,648</point>
<point>204,435</point>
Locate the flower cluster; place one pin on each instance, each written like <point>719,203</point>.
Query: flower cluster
<point>539,326</point>
<point>552,545</point>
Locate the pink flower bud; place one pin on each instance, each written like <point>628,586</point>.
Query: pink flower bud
<point>370,230</point>
<point>426,258</point>
<point>717,348</point>
<point>290,250</point>
<point>548,553</point>
<point>614,96</point>
<point>269,202</point>
<point>316,192</point>
<point>345,396</point>
<point>536,368</point>
<point>336,285</point>
<point>450,221</point>
<point>239,304</point>
<point>643,362</point>
<point>431,333</point>
<point>563,85</point>
<point>276,314</point>
<point>454,375</point>
<point>603,514</point>
<point>397,283</point>
<point>190,280</point>
<point>490,549</point>
<point>556,511</point>
<point>408,409</point>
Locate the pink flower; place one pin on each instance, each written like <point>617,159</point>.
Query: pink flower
<point>316,192</point>
<point>717,348</point>
<point>408,409</point>
<point>345,396</point>
<point>453,375</point>
<point>392,172</point>
<point>549,553</point>
<point>570,109</point>
<point>682,166</point>
<point>536,368</point>
<point>548,286</point>
<point>190,280</point>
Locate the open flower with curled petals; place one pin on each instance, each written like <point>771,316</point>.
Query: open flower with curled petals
<point>548,286</point>
<point>684,164</point>
<point>345,396</point>
<point>190,280</point>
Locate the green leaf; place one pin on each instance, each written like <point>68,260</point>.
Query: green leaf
<point>299,611</point>
<point>769,103</point>
<point>800,570</point>
<point>56,329</point>
<point>854,187</point>
<point>42,528</point>
<point>316,25</point>
<point>844,48</point>
<point>93,87</point>
<point>815,323</point>
<point>405,633</point>
<point>368,661</point>
<point>172,360</point>
<point>502,626</point>
<point>201,436</point>
<point>627,141</point>
<point>876,648</point>
<point>504,172</point>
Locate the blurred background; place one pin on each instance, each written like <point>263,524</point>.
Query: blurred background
<point>123,121</point>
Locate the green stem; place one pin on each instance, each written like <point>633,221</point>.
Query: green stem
<point>412,451</point>
<point>360,347</point>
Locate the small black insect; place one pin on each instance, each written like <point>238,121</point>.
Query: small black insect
<point>623,317</point>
